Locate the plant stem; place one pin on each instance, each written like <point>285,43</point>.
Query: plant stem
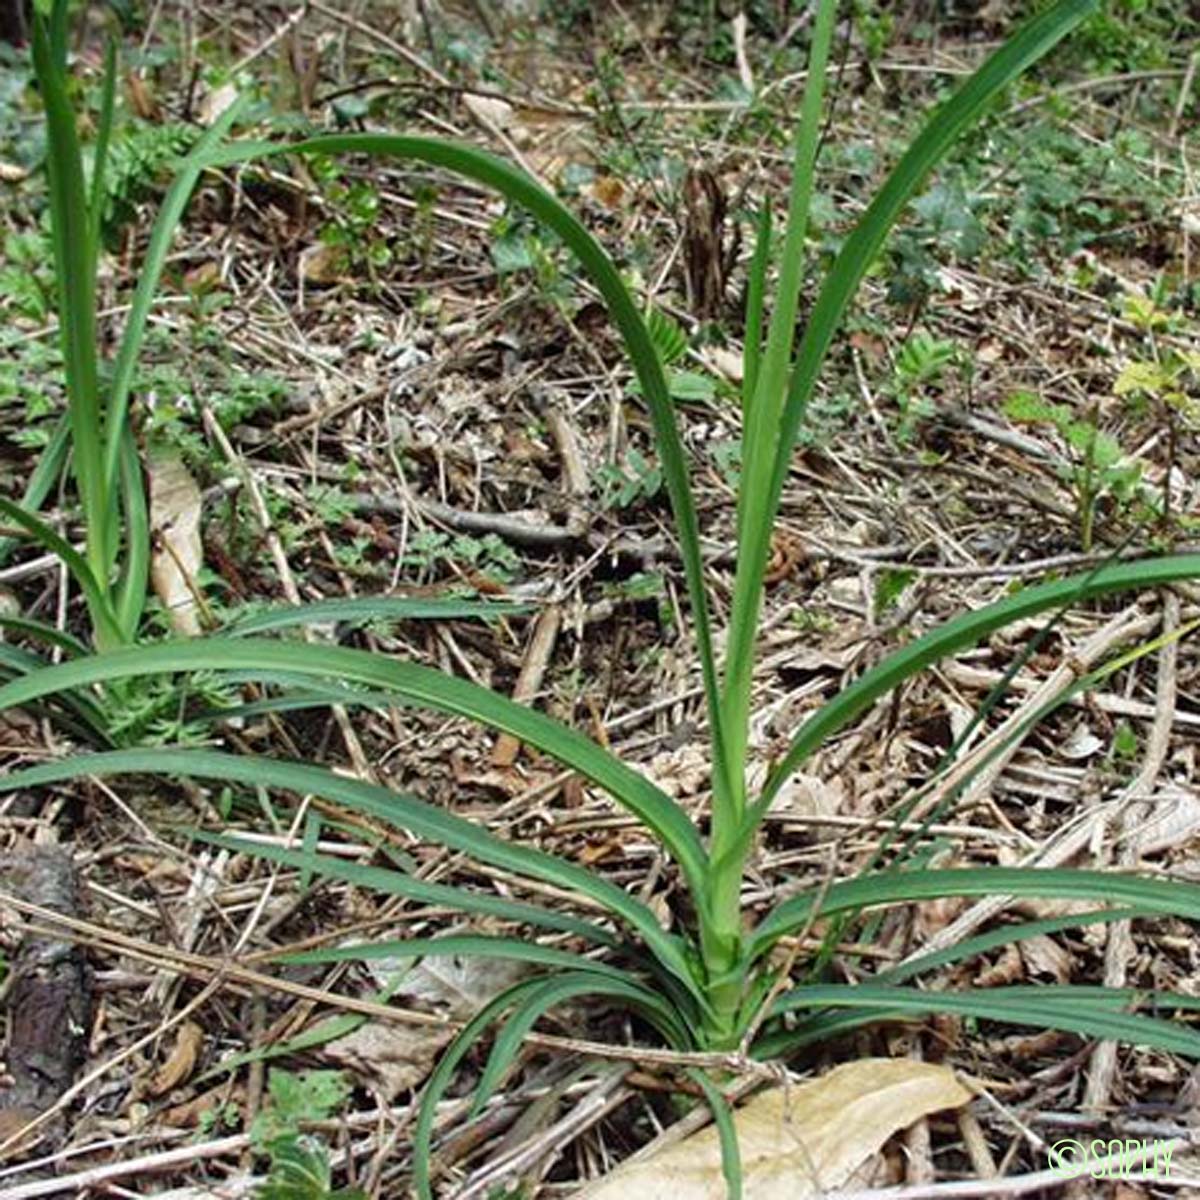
<point>760,439</point>
<point>75,269</point>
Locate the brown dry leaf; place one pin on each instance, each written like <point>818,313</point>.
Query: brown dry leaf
<point>178,552</point>
<point>12,172</point>
<point>796,1142</point>
<point>682,772</point>
<point>181,1062</point>
<point>457,985</point>
<point>1044,956</point>
<point>394,1058</point>
<point>1039,907</point>
<point>322,264</point>
<point>725,362</point>
<point>215,102</point>
<point>489,110</point>
<point>191,1113</point>
<point>203,278</point>
<point>12,1121</point>
<point>608,190</point>
<point>390,1058</point>
<point>140,98</point>
<point>872,348</point>
<point>1081,743</point>
<point>805,795</point>
<point>1007,969</point>
<point>1174,819</point>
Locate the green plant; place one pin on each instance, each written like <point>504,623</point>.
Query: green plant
<point>351,233</point>
<point>712,986</point>
<point>218,1119</point>
<point>1161,381</point>
<point>489,554</point>
<point>96,436</point>
<point>1099,466</point>
<point>638,479</point>
<point>299,1162</point>
<point>112,572</point>
<point>921,363</point>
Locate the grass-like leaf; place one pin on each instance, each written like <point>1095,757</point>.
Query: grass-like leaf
<point>756,290</point>
<point>397,883</point>
<point>419,685</point>
<point>520,189</point>
<point>103,618</point>
<point>169,215</point>
<point>1007,935</point>
<point>43,477</point>
<point>1073,1010</point>
<point>362,609</point>
<point>962,633</point>
<point>559,990</point>
<point>75,278</point>
<point>451,945</point>
<point>731,1154</point>
<point>1030,43</point>
<point>1137,891</point>
<point>443,1073</point>
<point>405,812</point>
<point>761,432</point>
<point>42,631</point>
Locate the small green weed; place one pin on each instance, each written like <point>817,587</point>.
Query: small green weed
<point>1099,467</point>
<point>622,487</point>
<point>299,1163</point>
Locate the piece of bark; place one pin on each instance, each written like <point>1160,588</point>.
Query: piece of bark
<point>48,1006</point>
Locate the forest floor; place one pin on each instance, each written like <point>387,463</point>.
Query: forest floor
<point>384,381</point>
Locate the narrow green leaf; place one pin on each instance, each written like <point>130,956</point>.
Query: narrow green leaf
<point>1077,1013</point>
<point>1137,891</point>
<point>43,632</point>
<point>559,990</point>
<point>1007,935</point>
<point>308,847</point>
<point>396,883</point>
<point>453,944</point>
<point>731,1154</point>
<point>97,602</point>
<point>964,109</point>
<point>760,435</point>
<point>856,256</point>
<point>756,291</point>
<point>169,215</point>
<point>962,633</point>
<point>43,477</point>
<point>75,276</point>
<point>371,608</point>
<point>405,812</point>
<point>519,189</point>
<point>82,719</point>
<point>320,1034</point>
<point>108,93</point>
<point>135,571</point>
<point>419,685</point>
<point>443,1073</point>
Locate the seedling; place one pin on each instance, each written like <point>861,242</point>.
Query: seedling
<point>1099,467</point>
